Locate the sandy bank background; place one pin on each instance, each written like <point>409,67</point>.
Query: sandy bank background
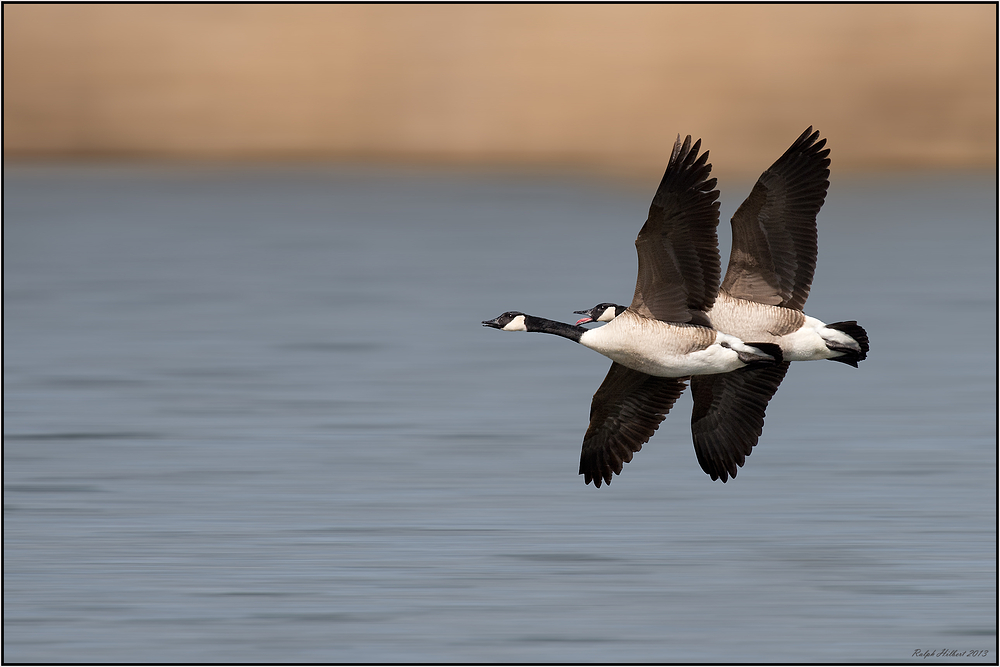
<point>593,86</point>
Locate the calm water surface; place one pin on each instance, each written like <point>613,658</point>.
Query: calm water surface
<point>251,415</point>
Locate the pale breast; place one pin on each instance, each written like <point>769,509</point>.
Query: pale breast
<point>650,346</point>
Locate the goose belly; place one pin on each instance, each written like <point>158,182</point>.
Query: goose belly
<point>713,359</point>
<point>663,349</point>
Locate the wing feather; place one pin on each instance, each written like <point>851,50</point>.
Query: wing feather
<point>728,415</point>
<point>626,411</point>
<point>678,246</point>
<point>774,231</point>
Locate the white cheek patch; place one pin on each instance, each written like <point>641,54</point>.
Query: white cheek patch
<point>607,315</point>
<point>516,324</point>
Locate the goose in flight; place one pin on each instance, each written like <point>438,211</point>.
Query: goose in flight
<point>664,336</point>
<point>761,298</point>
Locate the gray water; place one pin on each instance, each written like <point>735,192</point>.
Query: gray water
<point>251,415</point>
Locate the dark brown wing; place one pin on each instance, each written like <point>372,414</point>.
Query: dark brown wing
<point>678,247</point>
<point>625,412</point>
<point>774,230</point>
<point>728,415</point>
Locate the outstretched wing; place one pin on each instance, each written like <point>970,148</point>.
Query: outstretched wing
<point>626,411</point>
<point>678,247</point>
<point>728,415</point>
<point>774,230</point>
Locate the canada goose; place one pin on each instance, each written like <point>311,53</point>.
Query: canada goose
<point>773,259</point>
<point>766,285</point>
<point>664,336</point>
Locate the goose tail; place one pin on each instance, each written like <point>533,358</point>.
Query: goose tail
<point>850,355</point>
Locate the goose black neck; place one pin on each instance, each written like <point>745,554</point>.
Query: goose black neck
<point>542,325</point>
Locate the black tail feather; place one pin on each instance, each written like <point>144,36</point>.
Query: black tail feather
<point>850,356</point>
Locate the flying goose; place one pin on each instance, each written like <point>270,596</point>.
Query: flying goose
<point>761,298</point>
<point>664,336</point>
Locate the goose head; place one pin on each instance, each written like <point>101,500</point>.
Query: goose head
<point>512,320</point>
<point>602,312</point>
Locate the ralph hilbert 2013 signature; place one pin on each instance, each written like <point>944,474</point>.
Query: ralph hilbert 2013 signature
<point>948,653</point>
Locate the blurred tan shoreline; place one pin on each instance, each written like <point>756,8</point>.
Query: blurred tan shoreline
<point>592,87</point>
